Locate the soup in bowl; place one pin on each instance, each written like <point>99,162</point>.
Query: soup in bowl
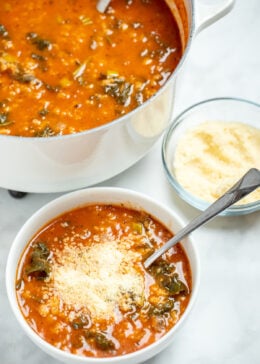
<point>77,285</point>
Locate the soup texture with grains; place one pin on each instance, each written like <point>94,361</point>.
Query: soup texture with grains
<point>66,68</point>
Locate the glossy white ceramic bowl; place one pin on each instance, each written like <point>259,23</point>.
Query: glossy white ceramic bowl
<point>225,109</point>
<point>105,196</point>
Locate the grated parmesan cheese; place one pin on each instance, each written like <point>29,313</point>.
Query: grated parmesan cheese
<point>98,278</point>
<point>212,156</point>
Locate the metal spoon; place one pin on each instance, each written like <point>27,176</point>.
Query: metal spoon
<point>247,184</point>
<point>102,5</point>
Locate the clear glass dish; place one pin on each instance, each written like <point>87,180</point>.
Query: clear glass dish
<point>219,109</point>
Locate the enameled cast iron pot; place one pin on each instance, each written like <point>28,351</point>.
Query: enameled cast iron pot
<point>69,162</point>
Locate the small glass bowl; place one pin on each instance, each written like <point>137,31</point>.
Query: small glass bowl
<point>219,109</point>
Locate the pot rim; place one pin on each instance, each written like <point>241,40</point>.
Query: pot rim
<point>121,119</point>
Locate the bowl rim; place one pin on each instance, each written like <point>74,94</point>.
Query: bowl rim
<point>186,195</point>
<point>128,194</point>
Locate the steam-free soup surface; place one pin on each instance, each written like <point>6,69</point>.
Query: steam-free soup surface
<point>66,68</point>
<point>82,287</point>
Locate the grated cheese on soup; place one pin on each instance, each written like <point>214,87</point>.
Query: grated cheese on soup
<point>99,278</point>
<point>82,287</point>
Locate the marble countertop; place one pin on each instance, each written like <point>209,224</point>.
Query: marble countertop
<point>224,326</point>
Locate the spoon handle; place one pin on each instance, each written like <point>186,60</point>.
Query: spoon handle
<point>102,5</point>
<point>248,183</point>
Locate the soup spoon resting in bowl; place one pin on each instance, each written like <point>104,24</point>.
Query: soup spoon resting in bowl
<point>247,184</point>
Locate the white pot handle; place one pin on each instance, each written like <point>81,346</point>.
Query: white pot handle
<point>206,14</point>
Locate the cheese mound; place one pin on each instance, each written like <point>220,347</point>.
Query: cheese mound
<point>99,278</point>
<point>211,157</point>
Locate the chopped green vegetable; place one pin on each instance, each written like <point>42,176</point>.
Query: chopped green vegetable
<point>47,131</point>
<point>118,88</point>
<point>4,119</point>
<point>23,77</point>
<point>137,227</point>
<point>80,322</point>
<point>31,35</point>
<point>38,57</point>
<point>3,31</point>
<point>15,69</point>
<point>40,43</point>
<point>174,285</point>
<point>43,112</point>
<point>100,340</point>
<point>51,88</point>
<point>161,308</point>
<point>166,276</point>
<point>77,325</point>
<point>41,250</point>
<point>85,20</point>
<point>39,265</point>
<point>118,23</point>
<point>161,267</point>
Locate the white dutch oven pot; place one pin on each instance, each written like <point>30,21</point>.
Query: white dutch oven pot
<point>69,162</point>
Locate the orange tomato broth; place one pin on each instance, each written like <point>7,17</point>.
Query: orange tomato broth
<point>72,327</point>
<point>66,68</point>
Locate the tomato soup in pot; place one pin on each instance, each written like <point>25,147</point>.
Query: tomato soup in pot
<point>66,68</point>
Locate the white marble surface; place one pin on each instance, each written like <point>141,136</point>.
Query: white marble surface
<point>224,326</point>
